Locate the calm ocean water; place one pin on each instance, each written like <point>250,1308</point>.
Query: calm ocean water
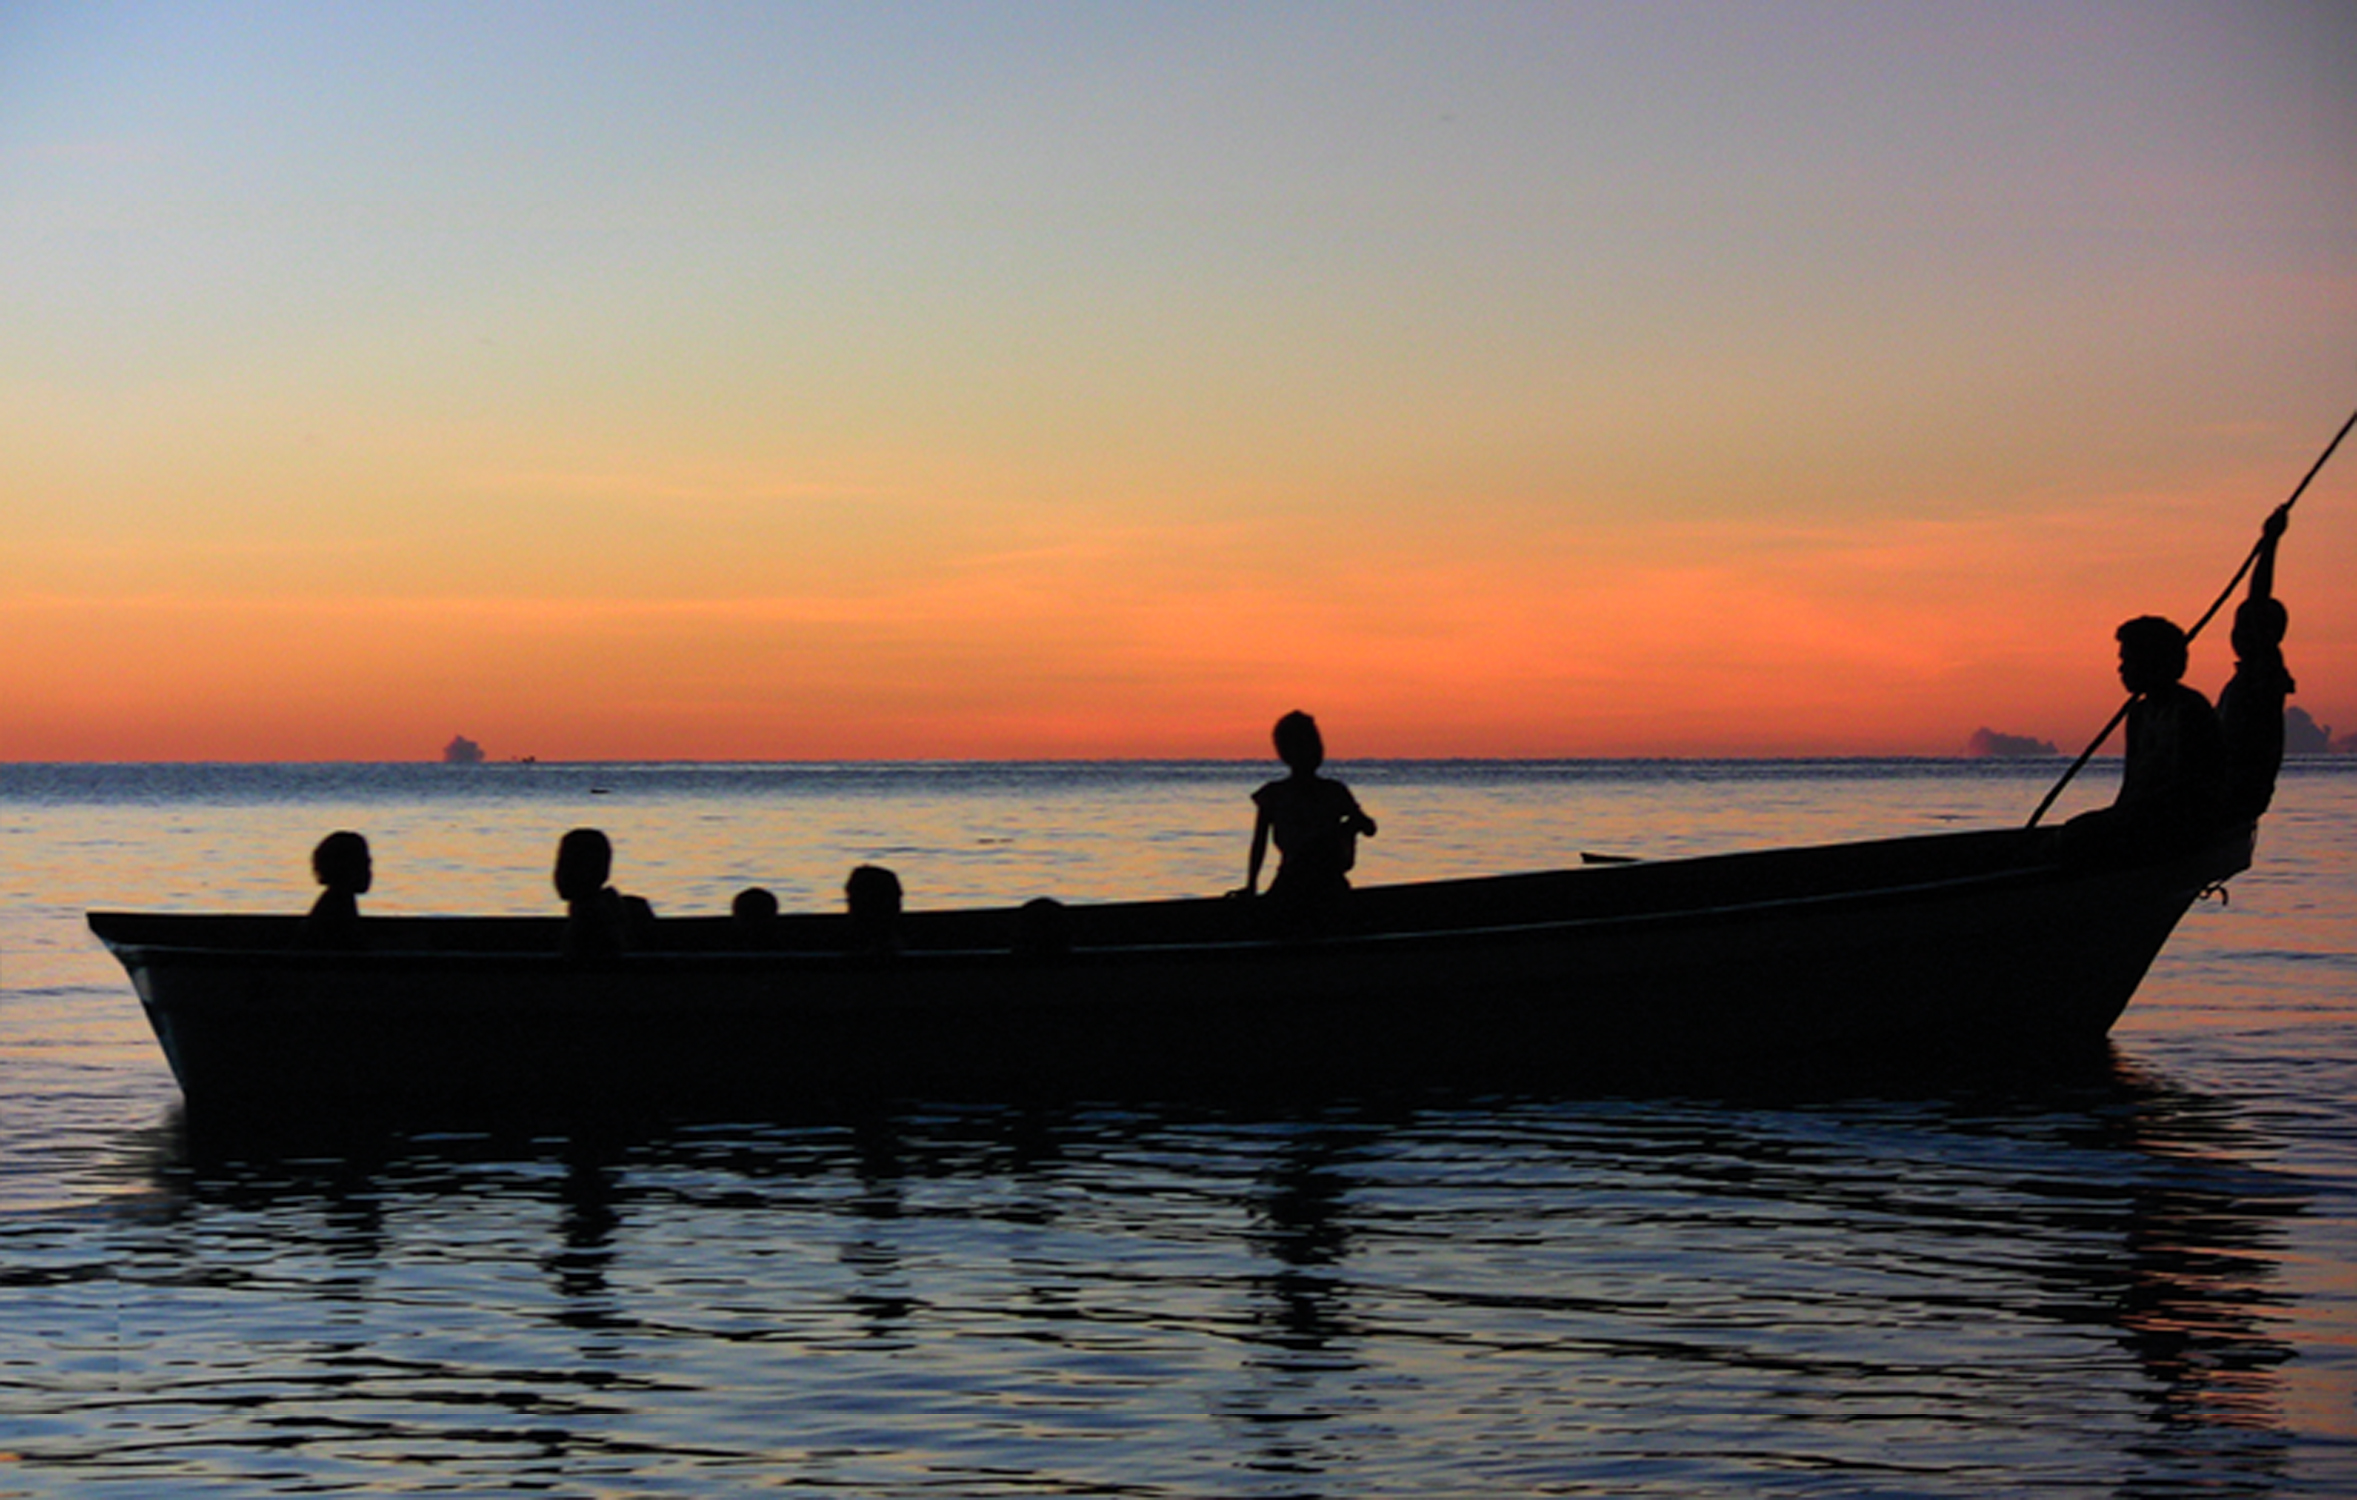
<point>2138,1284</point>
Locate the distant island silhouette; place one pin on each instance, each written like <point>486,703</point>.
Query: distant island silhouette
<point>1987,742</point>
<point>462,751</point>
<point>2302,735</point>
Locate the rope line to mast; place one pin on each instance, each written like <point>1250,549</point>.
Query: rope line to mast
<point>2249,560</point>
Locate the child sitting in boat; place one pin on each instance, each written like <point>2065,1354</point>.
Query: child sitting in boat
<point>343,866</point>
<point>599,920</point>
<point>1314,819</point>
<point>872,894</point>
<point>752,918</point>
<point>2173,776</point>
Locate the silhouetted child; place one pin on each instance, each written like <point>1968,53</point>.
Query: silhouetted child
<point>2250,706</point>
<point>753,918</point>
<point>873,894</point>
<point>2173,780</point>
<point>343,866</point>
<point>599,920</point>
<point>1314,819</point>
<point>1043,930</point>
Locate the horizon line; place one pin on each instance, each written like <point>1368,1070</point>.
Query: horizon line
<point>535,762</point>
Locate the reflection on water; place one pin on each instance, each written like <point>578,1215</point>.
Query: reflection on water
<point>2061,1286</point>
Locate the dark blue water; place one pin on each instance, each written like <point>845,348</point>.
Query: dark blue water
<point>2137,1281</point>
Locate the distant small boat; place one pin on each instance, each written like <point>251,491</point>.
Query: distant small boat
<point>1912,950</point>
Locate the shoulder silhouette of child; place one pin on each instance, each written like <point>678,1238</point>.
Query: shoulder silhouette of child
<point>599,920</point>
<point>342,863</point>
<point>2172,792</point>
<point>753,918</point>
<point>872,894</point>
<point>1314,820</point>
<point>2174,773</point>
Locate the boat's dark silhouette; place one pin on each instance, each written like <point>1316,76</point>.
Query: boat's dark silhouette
<point>1913,950</point>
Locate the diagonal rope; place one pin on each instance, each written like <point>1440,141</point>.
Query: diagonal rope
<point>2207,615</point>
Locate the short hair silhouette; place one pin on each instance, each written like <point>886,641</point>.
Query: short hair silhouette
<point>2151,640</point>
<point>873,891</point>
<point>596,916</point>
<point>1298,741</point>
<point>752,919</point>
<point>873,894</point>
<point>342,863</point>
<point>2260,625</point>
<point>585,858</point>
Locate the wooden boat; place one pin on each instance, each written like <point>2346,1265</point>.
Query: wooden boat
<point>1906,950</point>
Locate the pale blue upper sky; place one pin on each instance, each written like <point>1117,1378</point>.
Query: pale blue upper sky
<point>1663,205</point>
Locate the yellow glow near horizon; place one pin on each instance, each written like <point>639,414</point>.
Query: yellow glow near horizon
<point>1704,638</point>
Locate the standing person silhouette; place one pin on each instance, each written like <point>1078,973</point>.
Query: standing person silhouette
<point>1314,819</point>
<point>2250,706</point>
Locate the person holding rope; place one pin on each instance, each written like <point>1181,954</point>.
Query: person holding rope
<point>2250,707</point>
<point>2167,800</point>
<point>2190,771</point>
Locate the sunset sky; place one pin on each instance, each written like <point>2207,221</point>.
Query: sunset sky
<point>794,381</point>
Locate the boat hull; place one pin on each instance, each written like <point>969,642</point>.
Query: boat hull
<point>1912,951</point>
